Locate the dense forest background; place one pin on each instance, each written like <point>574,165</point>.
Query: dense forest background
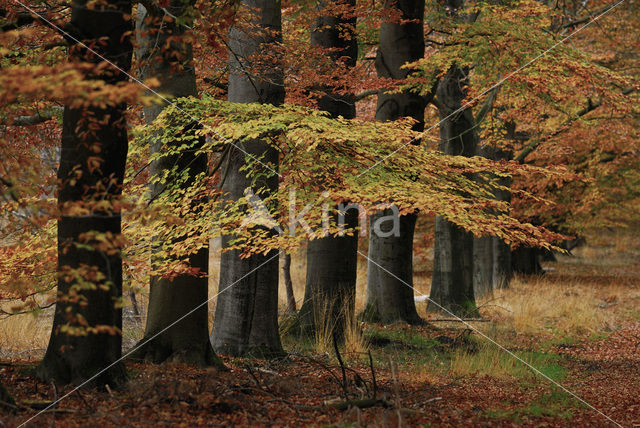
<point>332,212</point>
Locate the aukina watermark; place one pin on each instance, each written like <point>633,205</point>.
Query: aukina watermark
<point>385,224</point>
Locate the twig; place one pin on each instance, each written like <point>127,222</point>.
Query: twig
<point>459,320</point>
<point>344,373</point>
<point>373,376</point>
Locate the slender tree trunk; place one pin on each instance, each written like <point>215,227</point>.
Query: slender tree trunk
<point>86,334</point>
<point>288,283</point>
<point>169,61</point>
<point>390,271</point>
<point>452,282</point>
<point>246,319</point>
<point>330,285</point>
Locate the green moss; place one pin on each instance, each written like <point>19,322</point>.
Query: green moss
<point>555,404</point>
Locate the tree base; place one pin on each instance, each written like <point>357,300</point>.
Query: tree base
<point>371,314</point>
<point>156,352</point>
<point>61,372</point>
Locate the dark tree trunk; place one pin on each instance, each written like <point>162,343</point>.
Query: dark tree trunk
<point>170,299</point>
<point>86,334</point>
<point>330,285</point>
<point>390,269</point>
<point>246,319</point>
<point>7,402</point>
<point>390,296</point>
<point>502,272</point>
<point>526,260</point>
<point>288,283</point>
<point>452,282</point>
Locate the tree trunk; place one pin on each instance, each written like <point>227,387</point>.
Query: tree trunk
<point>390,296</point>
<point>330,286</point>
<point>86,336</point>
<point>288,283</point>
<point>483,264</point>
<point>7,402</point>
<point>246,319</point>
<point>452,282</point>
<point>526,261</point>
<point>170,299</point>
<point>390,269</point>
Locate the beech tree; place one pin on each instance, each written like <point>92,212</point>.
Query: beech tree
<point>452,280</point>
<point>86,333</point>
<point>390,268</point>
<point>165,53</point>
<point>332,261</point>
<point>246,318</point>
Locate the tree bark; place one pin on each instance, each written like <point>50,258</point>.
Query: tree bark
<point>526,260</point>
<point>502,271</point>
<point>246,319</point>
<point>168,58</point>
<point>288,283</point>
<point>390,269</point>
<point>330,285</point>
<point>483,264</point>
<point>86,334</point>
<point>452,282</point>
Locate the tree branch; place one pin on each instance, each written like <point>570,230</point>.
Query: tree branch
<point>591,106</point>
<point>37,118</point>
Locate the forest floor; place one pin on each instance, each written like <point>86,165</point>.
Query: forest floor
<point>578,326</point>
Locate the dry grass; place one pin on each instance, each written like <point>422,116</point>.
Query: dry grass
<point>544,305</point>
<point>25,335</point>
<point>585,295</point>
<point>355,343</point>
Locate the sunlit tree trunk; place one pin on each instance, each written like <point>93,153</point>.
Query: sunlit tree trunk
<point>170,299</point>
<point>86,334</point>
<point>452,282</point>
<point>390,271</point>
<point>332,261</point>
<point>246,319</point>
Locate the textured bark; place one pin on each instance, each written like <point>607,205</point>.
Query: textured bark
<point>246,319</point>
<point>390,271</point>
<point>75,358</point>
<point>390,297</point>
<point>330,283</point>
<point>452,281</point>
<point>483,263</point>
<point>170,299</point>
